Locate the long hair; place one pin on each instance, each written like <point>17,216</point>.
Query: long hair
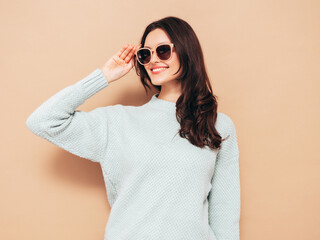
<point>196,108</point>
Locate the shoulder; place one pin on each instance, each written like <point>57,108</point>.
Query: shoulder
<point>226,128</point>
<point>225,125</point>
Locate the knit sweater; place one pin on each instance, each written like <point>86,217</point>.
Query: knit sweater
<point>159,185</point>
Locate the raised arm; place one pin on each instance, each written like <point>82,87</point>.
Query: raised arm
<point>84,134</point>
<point>224,197</point>
<point>81,133</point>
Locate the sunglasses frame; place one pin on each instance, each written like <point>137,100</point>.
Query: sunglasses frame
<point>152,52</point>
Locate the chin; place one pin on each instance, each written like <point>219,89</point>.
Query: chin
<point>157,83</point>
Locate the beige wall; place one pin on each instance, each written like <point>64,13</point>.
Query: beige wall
<point>263,58</point>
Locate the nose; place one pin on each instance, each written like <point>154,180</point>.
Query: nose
<point>154,57</point>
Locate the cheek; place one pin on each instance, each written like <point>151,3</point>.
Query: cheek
<point>175,64</point>
<point>175,60</point>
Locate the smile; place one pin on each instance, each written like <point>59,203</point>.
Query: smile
<point>158,70</point>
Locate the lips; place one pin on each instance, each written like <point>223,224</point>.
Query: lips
<point>158,69</point>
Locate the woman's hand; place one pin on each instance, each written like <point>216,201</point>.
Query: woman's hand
<point>120,63</point>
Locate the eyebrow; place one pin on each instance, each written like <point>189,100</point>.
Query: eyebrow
<point>156,44</point>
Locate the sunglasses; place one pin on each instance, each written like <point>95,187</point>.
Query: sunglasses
<point>164,52</point>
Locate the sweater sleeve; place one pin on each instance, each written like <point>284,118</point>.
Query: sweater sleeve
<point>81,133</point>
<point>224,197</point>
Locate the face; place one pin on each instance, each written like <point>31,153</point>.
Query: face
<point>166,75</point>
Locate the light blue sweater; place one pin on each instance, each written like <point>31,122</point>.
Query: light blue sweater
<point>159,186</point>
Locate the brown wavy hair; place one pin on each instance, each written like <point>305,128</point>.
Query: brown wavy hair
<point>196,108</point>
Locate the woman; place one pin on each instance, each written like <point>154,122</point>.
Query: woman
<point>160,184</point>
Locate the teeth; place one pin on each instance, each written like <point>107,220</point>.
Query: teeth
<point>157,69</point>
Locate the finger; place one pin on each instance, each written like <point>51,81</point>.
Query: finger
<point>130,63</point>
<point>121,50</point>
<point>130,54</point>
<point>137,47</point>
<point>118,60</point>
<point>128,57</point>
<point>126,52</point>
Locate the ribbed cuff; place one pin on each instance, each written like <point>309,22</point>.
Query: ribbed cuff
<point>93,83</point>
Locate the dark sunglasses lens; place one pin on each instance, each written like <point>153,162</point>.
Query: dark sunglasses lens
<point>164,51</point>
<point>144,55</point>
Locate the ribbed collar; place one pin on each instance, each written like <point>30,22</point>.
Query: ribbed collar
<point>162,104</point>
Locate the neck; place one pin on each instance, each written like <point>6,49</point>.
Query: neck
<point>168,97</point>
<point>162,104</point>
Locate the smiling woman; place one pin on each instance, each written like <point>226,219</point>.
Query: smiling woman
<point>168,172</point>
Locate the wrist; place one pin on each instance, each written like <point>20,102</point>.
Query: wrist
<point>106,76</point>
